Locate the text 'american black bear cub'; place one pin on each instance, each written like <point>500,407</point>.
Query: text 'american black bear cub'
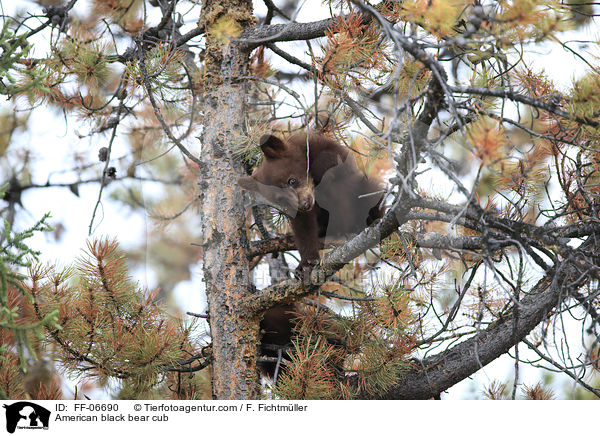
<point>326,197</point>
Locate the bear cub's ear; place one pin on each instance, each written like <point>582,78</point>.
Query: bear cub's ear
<point>248,183</point>
<point>272,146</point>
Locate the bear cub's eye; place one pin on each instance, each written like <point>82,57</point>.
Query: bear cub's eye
<point>292,181</point>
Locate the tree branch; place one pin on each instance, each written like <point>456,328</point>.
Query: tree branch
<point>255,36</point>
<point>440,372</point>
<point>516,97</point>
<point>288,291</point>
<point>423,240</point>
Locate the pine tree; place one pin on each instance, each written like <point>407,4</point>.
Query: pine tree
<point>489,239</point>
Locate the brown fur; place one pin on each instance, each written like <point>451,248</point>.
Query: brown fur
<point>324,201</point>
<point>277,327</point>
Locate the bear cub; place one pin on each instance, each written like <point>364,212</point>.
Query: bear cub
<point>325,196</point>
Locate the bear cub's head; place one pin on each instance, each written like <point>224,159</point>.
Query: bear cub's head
<point>282,177</point>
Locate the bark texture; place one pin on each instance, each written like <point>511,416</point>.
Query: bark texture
<point>234,336</point>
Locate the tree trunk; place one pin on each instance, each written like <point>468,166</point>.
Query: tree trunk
<point>234,337</point>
